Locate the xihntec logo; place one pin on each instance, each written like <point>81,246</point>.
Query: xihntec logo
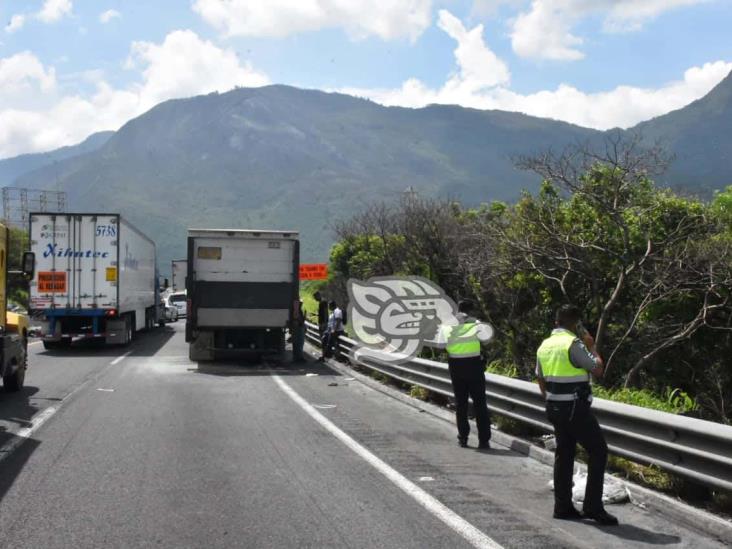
<point>53,249</point>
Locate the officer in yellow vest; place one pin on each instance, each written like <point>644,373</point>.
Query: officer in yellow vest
<point>467,372</point>
<point>563,367</point>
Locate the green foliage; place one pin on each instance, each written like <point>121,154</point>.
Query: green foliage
<point>502,367</point>
<point>647,475</point>
<point>418,392</point>
<point>17,286</point>
<point>651,270</point>
<point>722,207</point>
<point>673,401</point>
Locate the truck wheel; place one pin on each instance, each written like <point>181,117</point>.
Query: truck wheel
<point>14,382</point>
<point>50,345</point>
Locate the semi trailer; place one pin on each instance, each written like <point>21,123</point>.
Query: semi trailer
<point>95,277</point>
<point>241,289</point>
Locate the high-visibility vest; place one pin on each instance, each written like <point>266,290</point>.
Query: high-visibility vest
<point>561,377</point>
<point>462,340</point>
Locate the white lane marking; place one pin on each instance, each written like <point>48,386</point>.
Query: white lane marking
<point>461,526</point>
<point>105,390</point>
<point>120,358</point>
<point>35,343</point>
<point>25,433</point>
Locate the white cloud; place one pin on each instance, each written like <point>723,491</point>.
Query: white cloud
<point>184,65</point>
<point>23,73</point>
<point>35,115</point>
<point>53,10</point>
<point>16,23</point>
<point>386,19</point>
<point>481,82</point>
<point>50,12</point>
<point>106,16</point>
<point>545,30</point>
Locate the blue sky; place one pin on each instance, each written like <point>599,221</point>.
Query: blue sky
<point>67,71</point>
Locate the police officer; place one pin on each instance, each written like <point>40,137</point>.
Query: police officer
<point>467,372</point>
<point>563,366</point>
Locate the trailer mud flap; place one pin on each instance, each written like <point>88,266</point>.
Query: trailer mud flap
<point>202,347</point>
<point>116,332</point>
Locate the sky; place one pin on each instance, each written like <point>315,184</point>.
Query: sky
<point>69,68</point>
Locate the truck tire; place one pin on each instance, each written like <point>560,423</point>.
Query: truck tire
<point>50,345</point>
<point>14,382</point>
<point>63,343</point>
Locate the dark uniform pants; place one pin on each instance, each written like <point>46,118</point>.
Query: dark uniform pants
<point>574,422</point>
<point>468,379</point>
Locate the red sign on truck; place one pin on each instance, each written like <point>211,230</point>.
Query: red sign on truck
<point>313,271</point>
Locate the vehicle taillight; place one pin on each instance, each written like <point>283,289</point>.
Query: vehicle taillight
<point>112,312</point>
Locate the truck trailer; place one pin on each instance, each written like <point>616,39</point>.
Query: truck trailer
<point>95,277</point>
<point>179,271</point>
<point>242,286</point>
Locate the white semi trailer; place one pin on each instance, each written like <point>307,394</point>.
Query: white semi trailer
<point>95,277</point>
<point>242,286</point>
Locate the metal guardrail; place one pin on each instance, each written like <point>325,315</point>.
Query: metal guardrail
<point>693,448</point>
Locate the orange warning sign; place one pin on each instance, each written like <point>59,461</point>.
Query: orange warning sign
<point>50,282</point>
<point>313,271</point>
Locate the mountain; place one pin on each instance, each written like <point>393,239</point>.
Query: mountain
<point>281,157</point>
<point>700,136</point>
<point>12,168</point>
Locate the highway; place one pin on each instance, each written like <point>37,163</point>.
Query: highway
<point>139,447</point>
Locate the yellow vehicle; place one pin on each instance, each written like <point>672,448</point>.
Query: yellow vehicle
<point>13,326</point>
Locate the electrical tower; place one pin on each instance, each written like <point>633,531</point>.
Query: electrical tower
<point>18,202</point>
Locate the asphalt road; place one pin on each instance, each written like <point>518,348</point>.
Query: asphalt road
<point>138,447</point>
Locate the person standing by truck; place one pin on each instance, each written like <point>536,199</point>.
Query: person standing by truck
<point>334,331</point>
<point>297,331</point>
<point>322,313</point>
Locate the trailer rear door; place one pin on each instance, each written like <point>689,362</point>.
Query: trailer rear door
<point>244,281</point>
<point>76,261</point>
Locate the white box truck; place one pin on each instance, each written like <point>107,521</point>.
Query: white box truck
<point>242,286</point>
<point>179,273</point>
<point>95,277</point>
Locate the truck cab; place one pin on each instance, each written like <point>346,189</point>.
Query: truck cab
<point>13,325</point>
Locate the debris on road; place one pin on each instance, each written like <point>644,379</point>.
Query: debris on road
<point>614,491</point>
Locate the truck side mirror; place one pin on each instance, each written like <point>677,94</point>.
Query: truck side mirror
<point>29,264</point>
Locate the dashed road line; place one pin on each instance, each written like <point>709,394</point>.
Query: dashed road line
<point>25,433</point>
<point>44,415</point>
<point>120,358</point>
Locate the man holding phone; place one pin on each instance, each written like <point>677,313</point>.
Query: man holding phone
<point>563,366</point>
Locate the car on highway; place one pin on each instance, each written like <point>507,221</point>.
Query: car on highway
<point>168,311</point>
<point>178,300</point>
